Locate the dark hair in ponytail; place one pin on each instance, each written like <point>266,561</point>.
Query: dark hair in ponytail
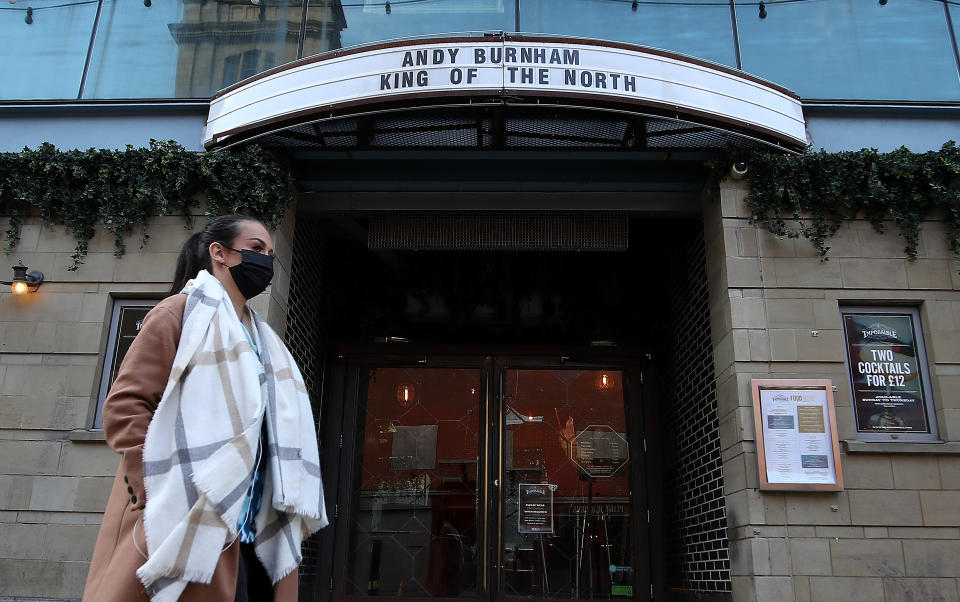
<point>195,254</point>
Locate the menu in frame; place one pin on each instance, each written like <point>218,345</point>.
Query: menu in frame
<point>797,446</point>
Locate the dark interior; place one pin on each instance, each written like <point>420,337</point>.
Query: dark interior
<point>500,297</point>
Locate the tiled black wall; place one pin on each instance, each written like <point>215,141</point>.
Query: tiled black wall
<point>697,546</point>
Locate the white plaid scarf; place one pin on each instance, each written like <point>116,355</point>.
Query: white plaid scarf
<point>202,443</point>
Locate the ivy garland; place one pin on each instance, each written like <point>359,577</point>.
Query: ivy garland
<point>810,195</point>
<point>120,189</point>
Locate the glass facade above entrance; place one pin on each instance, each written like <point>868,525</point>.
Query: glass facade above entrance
<point>108,49</point>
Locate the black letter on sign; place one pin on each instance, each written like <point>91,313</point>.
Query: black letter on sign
<point>479,56</point>
<point>471,74</point>
<point>384,81</point>
<point>456,76</point>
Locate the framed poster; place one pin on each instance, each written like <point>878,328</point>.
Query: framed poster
<point>886,363</point>
<point>797,446</point>
<point>125,322</point>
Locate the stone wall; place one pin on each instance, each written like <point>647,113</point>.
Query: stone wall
<point>55,474</point>
<point>894,532</point>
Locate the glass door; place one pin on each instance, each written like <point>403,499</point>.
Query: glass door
<point>567,523</point>
<point>413,508</point>
<point>487,479</point>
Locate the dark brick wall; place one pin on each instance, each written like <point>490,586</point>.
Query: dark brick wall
<point>697,546</point>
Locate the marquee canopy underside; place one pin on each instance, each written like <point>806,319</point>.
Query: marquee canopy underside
<point>504,126</point>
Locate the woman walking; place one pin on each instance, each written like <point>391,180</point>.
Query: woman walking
<point>219,481</point>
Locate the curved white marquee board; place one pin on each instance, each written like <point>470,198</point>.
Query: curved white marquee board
<point>513,66</point>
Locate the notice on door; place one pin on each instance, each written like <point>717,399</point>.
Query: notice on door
<point>797,446</point>
<point>536,508</point>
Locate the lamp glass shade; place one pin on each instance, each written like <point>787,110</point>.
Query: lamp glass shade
<point>19,288</point>
<point>406,395</point>
<point>605,381</point>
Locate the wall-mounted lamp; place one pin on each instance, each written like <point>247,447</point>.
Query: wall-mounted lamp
<point>406,395</point>
<point>23,281</point>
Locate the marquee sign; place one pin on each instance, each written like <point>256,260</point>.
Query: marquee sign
<point>471,67</point>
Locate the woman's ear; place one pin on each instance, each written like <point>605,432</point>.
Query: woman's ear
<point>217,252</point>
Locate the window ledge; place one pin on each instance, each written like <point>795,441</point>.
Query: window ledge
<point>897,447</point>
<point>86,435</point>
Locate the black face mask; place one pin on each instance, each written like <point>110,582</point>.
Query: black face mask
<point>253,274</point>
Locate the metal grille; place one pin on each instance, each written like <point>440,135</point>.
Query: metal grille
<point>698,550</point>
<point>304,338</point>
<point>513,128</point>
<point>598,231</point>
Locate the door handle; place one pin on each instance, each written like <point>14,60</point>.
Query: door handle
<point>496,482</point>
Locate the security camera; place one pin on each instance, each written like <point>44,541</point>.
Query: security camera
<point>738,170</point>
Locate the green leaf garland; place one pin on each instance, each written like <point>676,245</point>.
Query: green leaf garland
<point>810,195</point>
<point>119,189</point>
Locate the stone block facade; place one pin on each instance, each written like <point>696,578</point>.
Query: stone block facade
<point>55,472</point>
<point>894,532</point>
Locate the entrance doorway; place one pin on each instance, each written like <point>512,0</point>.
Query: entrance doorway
<point>490,477</point>
<point>494,323</point>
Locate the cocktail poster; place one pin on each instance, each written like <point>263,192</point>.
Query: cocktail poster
<point>797,446</point>
<point>885,373</point>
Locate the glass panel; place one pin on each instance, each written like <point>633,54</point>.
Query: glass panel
<point>188,48</point>
<point>332,24</point>
<point>414,525</point>
<point>852,49</point>
<point>704,31</point>
<point>44,59</point>
<point>566,521</point>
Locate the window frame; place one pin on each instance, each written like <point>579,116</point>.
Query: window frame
<point>923,373</point>
<point>106,366</point>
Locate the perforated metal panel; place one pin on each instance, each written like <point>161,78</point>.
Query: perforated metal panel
<point>304,337</point>
<point>511,231</point>
<point>514,128</point>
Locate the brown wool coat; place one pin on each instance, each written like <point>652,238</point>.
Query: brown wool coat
<point>127,412</point>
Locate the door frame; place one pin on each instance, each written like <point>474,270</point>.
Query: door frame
<point>340,416</point>
<point>633,391</point>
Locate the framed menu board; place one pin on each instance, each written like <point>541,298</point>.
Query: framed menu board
<point>797,446</point>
